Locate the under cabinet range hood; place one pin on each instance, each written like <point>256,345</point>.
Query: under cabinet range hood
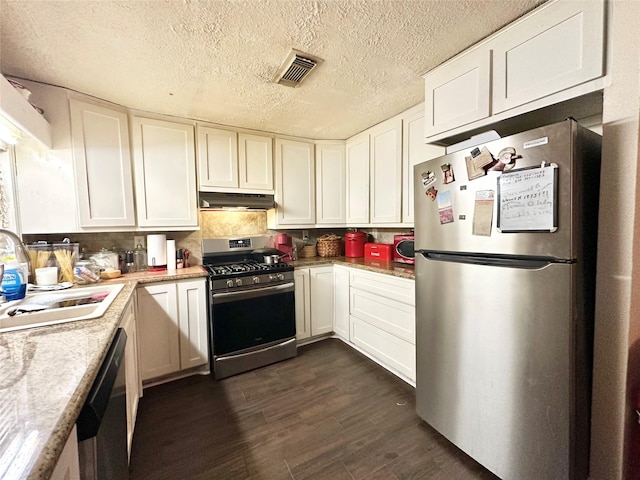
<point>249,201</point>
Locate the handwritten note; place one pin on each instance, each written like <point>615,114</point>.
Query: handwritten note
<point>526,200</point>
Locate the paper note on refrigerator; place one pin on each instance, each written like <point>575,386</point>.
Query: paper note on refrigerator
<point>483,213</point>
<point>527,200</point>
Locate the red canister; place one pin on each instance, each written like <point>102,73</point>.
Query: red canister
<point>354,244</point>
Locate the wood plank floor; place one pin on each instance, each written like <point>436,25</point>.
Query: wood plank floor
<point>329,413</point>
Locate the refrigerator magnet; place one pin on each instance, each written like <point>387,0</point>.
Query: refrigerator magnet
<point>483,213</point>
<point>472,171</point>
<point>428,178</point>
<point>447,169</point>
<point>445,209</point>
<point>432,193</point>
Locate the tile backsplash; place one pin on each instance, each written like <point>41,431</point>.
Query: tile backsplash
<point>213,223</point>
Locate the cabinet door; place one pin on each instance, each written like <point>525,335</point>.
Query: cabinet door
<point>256,162</point>
<point>158,330</point>
<point>192,311</point>
<point>331,184</point>
<point>217,158</point>
<point>341,302</point>
<point>295,183</point>
<point>386,172</point>
<point>164,162</point>
<point>414,151</point>
<point>357,153</point>
<point>102,165</point>
<point>458,92</point>
<point>321,282</point>
<point>132,374</point>
<point>68,466</point>
<point>559,47</point>
<point>302,302</point>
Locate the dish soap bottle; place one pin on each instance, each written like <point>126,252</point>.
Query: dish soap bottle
<point>16,266</point>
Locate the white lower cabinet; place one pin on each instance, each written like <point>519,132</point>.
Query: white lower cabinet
<point>341,302</point>
<point>389,350</point>
<point>382,319</point>
<point>314,301</point>
<point>172,327</point>
<point>68,466</point>
<point>302,303</point>
<point>131,371</point>
<point>321,294</point>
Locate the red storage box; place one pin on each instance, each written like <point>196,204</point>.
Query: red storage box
<point>378,251</point>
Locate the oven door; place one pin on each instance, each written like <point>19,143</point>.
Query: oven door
<point>249,319</point>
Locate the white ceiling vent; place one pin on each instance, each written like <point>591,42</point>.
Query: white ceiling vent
<point>297,66</point>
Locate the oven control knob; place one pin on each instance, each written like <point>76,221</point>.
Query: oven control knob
<point>280,276</point>
<point>272,277</point>
<point>229,283</point>
<point>256,279</point>
<point>238,282</point>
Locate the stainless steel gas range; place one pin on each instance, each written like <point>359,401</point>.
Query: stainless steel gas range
<point>251,305</point>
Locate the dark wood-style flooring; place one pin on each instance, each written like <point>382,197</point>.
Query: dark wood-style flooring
<point>330,413</point>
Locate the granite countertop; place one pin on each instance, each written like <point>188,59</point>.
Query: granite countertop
<point>396,269</point>
<point>45,377</point>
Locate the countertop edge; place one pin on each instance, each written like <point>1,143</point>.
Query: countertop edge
<point>384,267</point>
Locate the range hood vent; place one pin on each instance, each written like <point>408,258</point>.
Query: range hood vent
<point>297,66</point>
<point>251,201</point>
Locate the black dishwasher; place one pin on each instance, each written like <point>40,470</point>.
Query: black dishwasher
<point>102,423</point>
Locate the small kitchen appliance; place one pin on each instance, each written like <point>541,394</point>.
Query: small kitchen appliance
<point>284,244</point>
<point>251,305</point>
<point>403,248</point>
<point>157,252</point>
<point>354,244</point>
<point>378,251</point>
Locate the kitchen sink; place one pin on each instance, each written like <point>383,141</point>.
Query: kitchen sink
<point>51,308</point>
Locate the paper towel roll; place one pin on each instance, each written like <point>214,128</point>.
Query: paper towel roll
<point>157,251</point>
<point>171,254</point>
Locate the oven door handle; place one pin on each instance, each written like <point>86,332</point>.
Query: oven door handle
<point>224,297</point>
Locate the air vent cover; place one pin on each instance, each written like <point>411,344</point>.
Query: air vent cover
<point>296,68</point>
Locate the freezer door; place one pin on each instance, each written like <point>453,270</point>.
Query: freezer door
<point>574,149</point>
<point>496,366</point>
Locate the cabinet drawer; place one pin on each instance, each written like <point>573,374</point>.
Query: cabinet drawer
<point>394,317</point>
<point>391,351</point>
<point>394,288</point>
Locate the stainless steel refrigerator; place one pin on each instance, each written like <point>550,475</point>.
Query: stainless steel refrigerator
<point>505,240</point>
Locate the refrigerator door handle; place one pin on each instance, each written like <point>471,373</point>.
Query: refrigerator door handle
<point>508,261</point>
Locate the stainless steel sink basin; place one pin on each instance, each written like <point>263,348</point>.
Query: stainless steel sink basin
<point>50,308</point>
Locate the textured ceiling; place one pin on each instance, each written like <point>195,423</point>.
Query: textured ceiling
<point>215,60</point>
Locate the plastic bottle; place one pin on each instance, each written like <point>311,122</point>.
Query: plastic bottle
<point>15,259</point>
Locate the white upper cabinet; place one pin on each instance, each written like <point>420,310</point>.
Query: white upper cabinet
<point>459,92</point>
<point>165,173</point>
<point>234,162</point>
<point>331,184</point>
<point>414,151</point>
<point>255,162</point>
<point>357,150</point>
<point>102,165</point>
<point>217,158</point>
<point>555,53</point>
<point>386,172</point>
<point>561,46</point>
<point>295,184</point>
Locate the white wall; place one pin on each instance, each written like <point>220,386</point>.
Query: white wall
<point>615,244</point>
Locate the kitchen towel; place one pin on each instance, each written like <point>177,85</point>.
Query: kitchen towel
<point>171,254</point>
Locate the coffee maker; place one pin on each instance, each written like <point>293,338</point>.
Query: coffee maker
<point>284,244</point>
